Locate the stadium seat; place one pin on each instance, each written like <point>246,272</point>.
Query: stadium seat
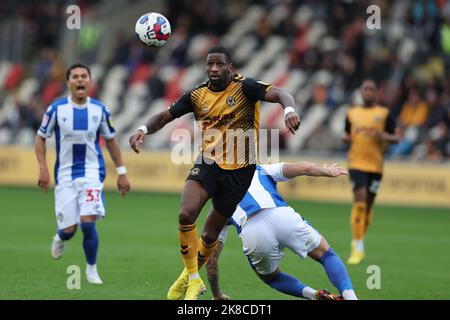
<point>27,89</point>
<point>25,137</point>
<point>5,67</point>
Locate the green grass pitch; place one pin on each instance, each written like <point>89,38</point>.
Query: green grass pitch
<point>139,257</point>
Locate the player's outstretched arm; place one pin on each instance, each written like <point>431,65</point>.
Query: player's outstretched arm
<point>44,175</point>
<point>154,124</point>
<point>292,170</point>
<point>277,95</point>
<point>123,185</point>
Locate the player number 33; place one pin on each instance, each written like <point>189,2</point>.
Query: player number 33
<point>93,195</point>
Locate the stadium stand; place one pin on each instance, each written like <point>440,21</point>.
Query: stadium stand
<point>318,50</point>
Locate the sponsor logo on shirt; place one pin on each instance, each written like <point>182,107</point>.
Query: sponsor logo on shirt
<point>221,120</point>
<point>44,120</point>
<point>80,137</point>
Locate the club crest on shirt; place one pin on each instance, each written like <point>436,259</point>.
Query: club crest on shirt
<point>95,119</point>
<point>231,102</point>
<point>91,136</point>
<point>205,108</point>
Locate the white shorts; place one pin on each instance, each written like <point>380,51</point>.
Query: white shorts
<point>81,197</point>
<point>267,233</point>
<point>224,234</point>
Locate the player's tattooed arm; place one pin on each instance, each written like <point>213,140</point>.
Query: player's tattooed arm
<point>277,95</point>
<point>292,170</point>
<point>44,174</point>
<point>212,271</point>
<point>154,124</point>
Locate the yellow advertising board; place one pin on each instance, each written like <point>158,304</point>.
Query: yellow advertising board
<point>147,171</point>
<point>403,183</point>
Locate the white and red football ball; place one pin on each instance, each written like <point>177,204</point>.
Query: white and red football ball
<point>153,29</point>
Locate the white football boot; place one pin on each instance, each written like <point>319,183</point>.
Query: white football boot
<point>57,248</point>
<point>92,274</point>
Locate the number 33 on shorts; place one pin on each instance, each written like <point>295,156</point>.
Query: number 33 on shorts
<point>91,201</point>
<point>93,195</point>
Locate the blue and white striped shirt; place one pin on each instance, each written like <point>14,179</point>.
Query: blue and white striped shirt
<point>77,131</point>
<point>262,193</point>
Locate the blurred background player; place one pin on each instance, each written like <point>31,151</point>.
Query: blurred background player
<point>368,128</point>
<point>266,225</point>
<point>78,121</point>
<point>226,102</point>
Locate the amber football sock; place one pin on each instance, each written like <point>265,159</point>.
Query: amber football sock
<point>368,221</point>
<point>188,237</point>
<point>358,220</point>
<point>204,251</point>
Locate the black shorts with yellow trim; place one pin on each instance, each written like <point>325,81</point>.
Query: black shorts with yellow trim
<point>225,187</point>
<point>370,180</point>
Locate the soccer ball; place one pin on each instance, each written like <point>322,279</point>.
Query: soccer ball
<point>153,29</point>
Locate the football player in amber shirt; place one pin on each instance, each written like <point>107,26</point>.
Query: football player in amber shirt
<point>226,109</point>
<point>367,128</point>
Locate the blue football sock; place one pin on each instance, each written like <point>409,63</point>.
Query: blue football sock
<point>90,241</point>
<point>287,284</point>
<point>63,235</point>
<point>336,271</point>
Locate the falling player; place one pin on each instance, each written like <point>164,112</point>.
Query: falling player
<point>266,225</point>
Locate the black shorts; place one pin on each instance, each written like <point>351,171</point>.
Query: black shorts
<point>370,180</point>
<point>225,187</point>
